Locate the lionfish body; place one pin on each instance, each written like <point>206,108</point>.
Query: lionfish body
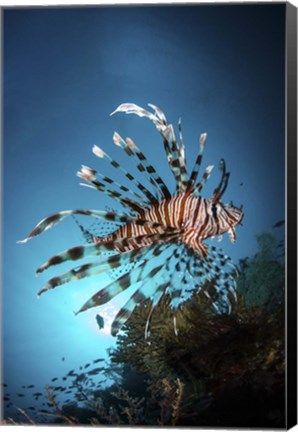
<point>159,246</point>
<point>192,216</point>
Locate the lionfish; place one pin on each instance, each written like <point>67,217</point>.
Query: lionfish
<point>157,245</point>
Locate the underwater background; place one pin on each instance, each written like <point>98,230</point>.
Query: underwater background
<point>221,68</point>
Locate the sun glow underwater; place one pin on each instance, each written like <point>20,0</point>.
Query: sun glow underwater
<point>156,246</point>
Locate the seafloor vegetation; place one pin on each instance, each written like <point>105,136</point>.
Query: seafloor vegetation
<point>221,370</point>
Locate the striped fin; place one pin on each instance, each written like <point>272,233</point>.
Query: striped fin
<point>52,220</point>
<point>220,190</point>
<point>87,174</point>
<point>175,148</point>
<point>130,108</point>
<point>90,175</point>
<point>137,275</point>
<point>176,155</point>
<point>155,300</point>
<point>152,287</point>
<point>195,271</point>
<point>118,141</point>
<point>91,269</point>
<point>116,272</point>
<point>196,168</point>
<point>222,168</point>
<point>218,269</point>
<point>176,159</point>
<point>101,154</point>
<point>95,249</point>
<point>145,291</point>
<point>86,233</point>
<point>188,281</point>
<point>181,286</point>
<point>175,264</point>
<point>182,158</point>
<point>173,273</point>
<point>182,147</point>
<point>132,205</point>
<point>225,185</point>
<point>148,289</point>
<point>177,165</point>
<point>180,281</point>
<point>205,177</point>
<point>85,270</point>
<point>149,170</point>
<point>159,113</point>
<point>143,166</point>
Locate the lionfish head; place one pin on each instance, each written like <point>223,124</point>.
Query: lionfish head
<point>228,217</point>
<point>235,214</point>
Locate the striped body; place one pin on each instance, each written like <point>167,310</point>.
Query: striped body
<point>158,248</point>
<point>183,212</point>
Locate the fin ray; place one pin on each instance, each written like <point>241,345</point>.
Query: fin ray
<point>127,280</point>
<point>94,249</point>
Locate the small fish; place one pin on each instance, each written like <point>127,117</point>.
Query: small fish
<point>63,358</point>
<point>54,379</point>
<point>20,395</point>
<point>71,373</point>
<point>95,371</point>
<point>6,398</point>
<point>4,385</point>
<point>241,184</point>
<point>98,360</point>
<point>30,386</point>
<point>100,321</point>
<point>80,377</point>
<point>31,408</point>
<point>37,394</point>
<point>87,365</point>
<point>278,224</point>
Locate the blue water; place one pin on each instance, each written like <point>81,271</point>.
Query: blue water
<point>221,68</point>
